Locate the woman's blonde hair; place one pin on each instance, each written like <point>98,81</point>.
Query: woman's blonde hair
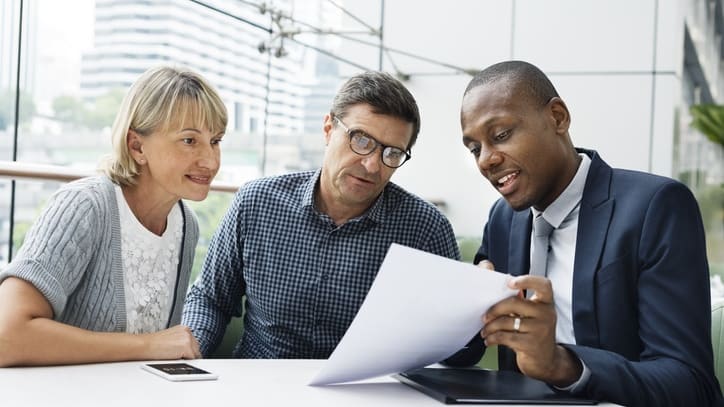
<point>161,98</point>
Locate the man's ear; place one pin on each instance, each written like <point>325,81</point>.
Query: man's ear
<point>327,128</point>
<point>560,114</point>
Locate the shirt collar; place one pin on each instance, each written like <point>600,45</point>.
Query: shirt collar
<point>308,190</point>
<point>567,201</point>
<point>375,213</point>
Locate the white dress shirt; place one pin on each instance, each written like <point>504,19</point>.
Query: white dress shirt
<point>562,214</point>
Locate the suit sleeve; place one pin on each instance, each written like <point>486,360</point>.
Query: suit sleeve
<point>674,365</point>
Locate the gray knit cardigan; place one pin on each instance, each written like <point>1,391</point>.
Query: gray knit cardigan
<point>72,255</point>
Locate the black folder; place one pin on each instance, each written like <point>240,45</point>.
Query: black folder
<point>478,386</point>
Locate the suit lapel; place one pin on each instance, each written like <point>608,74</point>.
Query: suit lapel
<point>519,244</point>
<point>593,221</point>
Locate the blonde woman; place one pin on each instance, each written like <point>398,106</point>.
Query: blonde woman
<point>103,272</point>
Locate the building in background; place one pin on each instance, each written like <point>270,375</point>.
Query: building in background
<point>76,73</point>
<point>265,81</point>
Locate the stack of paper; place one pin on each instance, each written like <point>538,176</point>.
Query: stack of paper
<point>421,309</point>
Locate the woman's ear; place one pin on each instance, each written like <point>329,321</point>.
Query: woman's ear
<point>135,146</point>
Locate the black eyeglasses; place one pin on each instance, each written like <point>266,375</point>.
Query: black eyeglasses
<point>364,144</point>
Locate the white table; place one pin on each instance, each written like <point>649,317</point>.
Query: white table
<point>242,382</point>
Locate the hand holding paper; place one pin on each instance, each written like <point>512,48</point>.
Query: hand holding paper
<point>421,309</point>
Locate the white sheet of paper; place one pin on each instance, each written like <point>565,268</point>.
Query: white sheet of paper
<point>421,309</point>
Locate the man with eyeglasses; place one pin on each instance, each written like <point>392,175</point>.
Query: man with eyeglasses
<point>303,249</point>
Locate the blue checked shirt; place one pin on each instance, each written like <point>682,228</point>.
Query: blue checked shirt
<point>303,277</point>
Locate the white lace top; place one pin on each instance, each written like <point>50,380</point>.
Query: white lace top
<point>150,265</point>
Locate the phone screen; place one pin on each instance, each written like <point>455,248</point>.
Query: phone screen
<point>178,368</point>
<point>178,371</point>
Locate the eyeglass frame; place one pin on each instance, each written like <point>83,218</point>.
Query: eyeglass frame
<point>408,154</point>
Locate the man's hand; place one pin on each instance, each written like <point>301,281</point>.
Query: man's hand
<point>528,326</point>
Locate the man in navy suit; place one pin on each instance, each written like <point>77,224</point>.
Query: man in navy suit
<point>620,310</point>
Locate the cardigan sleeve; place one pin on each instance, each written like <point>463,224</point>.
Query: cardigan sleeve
<point>58,247</point>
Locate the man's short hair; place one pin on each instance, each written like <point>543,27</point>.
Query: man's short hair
<point>530,80</point>
<point>385,94</point>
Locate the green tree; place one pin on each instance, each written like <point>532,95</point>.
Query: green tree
<point>69,109</point>
<point>7,107</point>
<point>209,213</point>
<point>19,232</point>
<point>709,119</point>
<point>97,115</point>
<point>104,110</point>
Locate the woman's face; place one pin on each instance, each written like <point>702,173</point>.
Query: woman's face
<point>181,161</point>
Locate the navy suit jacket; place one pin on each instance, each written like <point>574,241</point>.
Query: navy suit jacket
<point>641,300</point>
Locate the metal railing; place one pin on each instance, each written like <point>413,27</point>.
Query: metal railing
<point>46,172</point>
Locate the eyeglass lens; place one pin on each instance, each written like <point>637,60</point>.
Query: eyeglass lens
<point>364,144</point>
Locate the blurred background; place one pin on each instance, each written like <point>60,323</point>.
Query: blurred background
<point>644,81</point>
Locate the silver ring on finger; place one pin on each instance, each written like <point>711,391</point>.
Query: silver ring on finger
<point>516,324</point>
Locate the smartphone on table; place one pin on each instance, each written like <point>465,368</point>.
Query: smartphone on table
<point>178,371</point>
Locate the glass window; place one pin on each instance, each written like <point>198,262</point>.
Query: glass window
<point>73,76</point>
